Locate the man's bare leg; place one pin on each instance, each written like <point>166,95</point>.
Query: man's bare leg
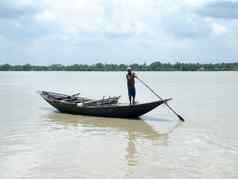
<point>130,99</point>
<point>134,102</point>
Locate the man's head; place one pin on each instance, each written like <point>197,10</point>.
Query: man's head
<point>129,70</point>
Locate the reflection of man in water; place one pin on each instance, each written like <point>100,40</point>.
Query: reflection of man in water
<point>131,149</point>
<point>131,85</point>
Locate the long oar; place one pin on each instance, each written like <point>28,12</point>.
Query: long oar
<point>179,116</point>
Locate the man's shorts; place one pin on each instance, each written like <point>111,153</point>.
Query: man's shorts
<point>131,92</point>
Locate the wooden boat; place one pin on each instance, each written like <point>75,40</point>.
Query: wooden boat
<point>110,108</point>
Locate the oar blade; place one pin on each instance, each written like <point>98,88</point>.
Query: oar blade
<point>180,117</point>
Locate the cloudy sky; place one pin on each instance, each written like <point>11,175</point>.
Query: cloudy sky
<point>118,31</point>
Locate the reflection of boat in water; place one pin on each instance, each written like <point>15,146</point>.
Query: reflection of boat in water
<point>139,127</point>
<point>135,131</point>
<point>108,108</point>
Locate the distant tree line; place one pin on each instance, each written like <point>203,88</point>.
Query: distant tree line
<point>155,66</point>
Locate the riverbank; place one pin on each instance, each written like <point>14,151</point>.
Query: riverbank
<point>155,66</point>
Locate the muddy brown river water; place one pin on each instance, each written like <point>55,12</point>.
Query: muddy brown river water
<point>38,142</point>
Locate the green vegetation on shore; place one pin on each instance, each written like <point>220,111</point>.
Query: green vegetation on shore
<point>155,66</point>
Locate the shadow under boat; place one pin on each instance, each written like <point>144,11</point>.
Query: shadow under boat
<point>139,128</point>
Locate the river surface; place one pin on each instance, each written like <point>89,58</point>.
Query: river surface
<point>37,142</point>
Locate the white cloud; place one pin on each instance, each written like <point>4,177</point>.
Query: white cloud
<point>73,16</point>
<point>218,29</point>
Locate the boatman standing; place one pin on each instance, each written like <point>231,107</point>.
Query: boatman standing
<point>130,76</point>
